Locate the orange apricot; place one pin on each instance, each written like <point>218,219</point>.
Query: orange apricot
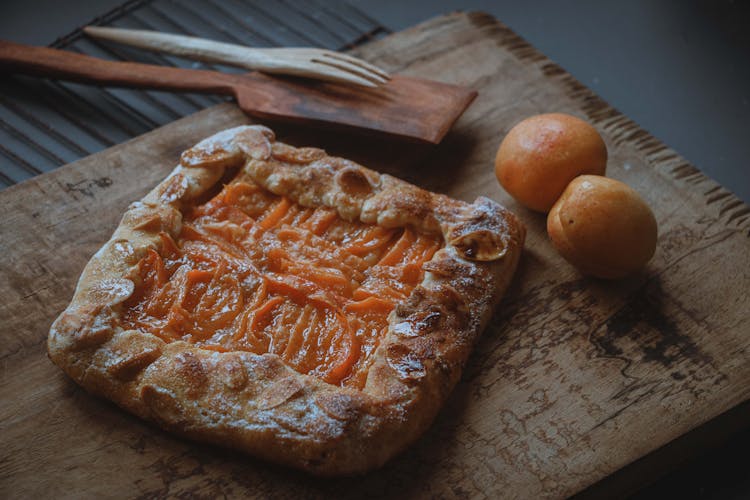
<point>602,227</point>
<point>543,153</point>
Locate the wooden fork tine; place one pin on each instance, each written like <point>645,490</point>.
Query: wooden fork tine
<point>333,74</point>
<point>357,62</point>
<point>354,70</point>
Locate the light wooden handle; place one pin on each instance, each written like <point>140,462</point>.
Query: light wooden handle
<point>190,47</point>
<point>64,65</point>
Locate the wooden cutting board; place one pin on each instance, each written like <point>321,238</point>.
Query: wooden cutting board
<point>574,379</point>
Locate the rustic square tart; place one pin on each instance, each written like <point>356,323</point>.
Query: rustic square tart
<point>311,312</point>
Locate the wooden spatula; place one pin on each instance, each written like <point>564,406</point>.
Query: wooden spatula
<point>407,108</point>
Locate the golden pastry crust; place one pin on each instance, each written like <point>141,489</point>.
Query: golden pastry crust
<point>257,403</point>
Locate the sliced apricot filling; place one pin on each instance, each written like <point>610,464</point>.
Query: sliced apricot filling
<point>252,271</point>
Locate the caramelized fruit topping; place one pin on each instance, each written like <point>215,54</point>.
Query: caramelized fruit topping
<point>251,271</point>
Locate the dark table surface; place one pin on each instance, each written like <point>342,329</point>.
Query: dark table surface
<point>681,69</point>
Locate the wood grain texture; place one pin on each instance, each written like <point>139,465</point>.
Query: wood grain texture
<point>574,379</point>
<point>411,109</point>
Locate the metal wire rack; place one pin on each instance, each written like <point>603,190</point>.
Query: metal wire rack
<point>45,124</point>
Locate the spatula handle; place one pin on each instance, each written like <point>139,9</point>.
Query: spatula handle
<point>69,66</point>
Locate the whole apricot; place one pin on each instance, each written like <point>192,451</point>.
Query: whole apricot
<point>543,153</point>
<point>602,227</point>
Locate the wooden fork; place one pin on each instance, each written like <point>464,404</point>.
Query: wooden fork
<point>314,63</point>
